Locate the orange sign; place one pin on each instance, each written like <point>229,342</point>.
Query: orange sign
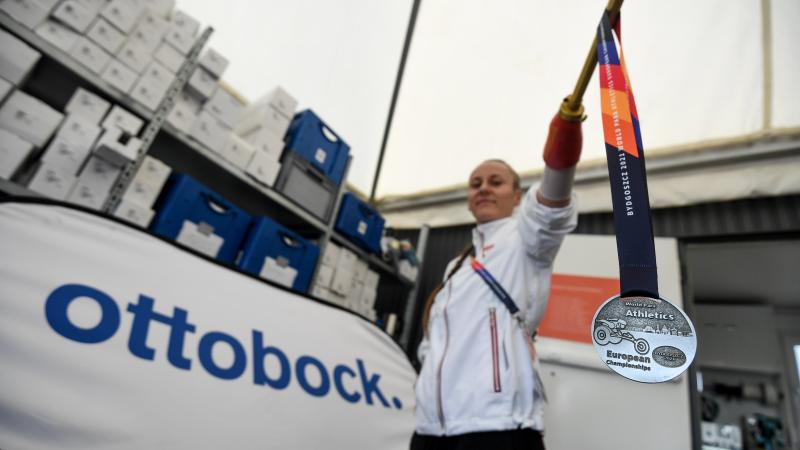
<point>573,302</point>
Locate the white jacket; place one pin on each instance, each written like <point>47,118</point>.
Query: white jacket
<point>477,373</point>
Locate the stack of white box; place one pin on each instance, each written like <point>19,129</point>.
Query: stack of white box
<point>264,125</point>
<point>137,202</point>
<point>25,122</point>
<point>345,280</point>
<point>116,147</point>
<point>215,109</point>
<point>135,46</point>
<point>29,13</point>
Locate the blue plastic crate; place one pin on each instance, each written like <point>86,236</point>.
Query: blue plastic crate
<point>315,141</point>
<point>359,223</point>
<point>268,238</point>
<point>189,212</point>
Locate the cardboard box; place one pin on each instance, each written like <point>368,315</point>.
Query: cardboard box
<point>60,36</point>
<point>342,282</point>
<point>13,152</point>
<point>29,13</point>
<point>185,22</point>
<point>88,105</point>
<point>153,21</point>
<point>148,37</point>
<point>134,213</point>
<point>148,92</point>
<point>210,131</point>
<point>347,261</point>
<point>167,55</point>
<point>356,287</point>
<point>360,270</point>
<point>324,276</point>
<point>119,75</point>
<point>147,183</point>
<point>117,147</point>
<point>134,55</point>
<point>264,168</point>
<point>202,84</point>
<point>94,183</point>
<point>16,58</point>
<point>265,140</point>
<point>74,15</point>
<point>238,152</point>
<point>90,55</point>
<point>280,100</point>
<point>330,254</point>
<point>92,5</point>
<point>123,14</point>
<point>367,300</point>
<point>321,293</point>
<point>337,299</point>
<point>142,193</point>
<point>66,155</point>
<point>152,171</point>
<point>161,8</point>
<point>29,118</point>
<point>263,116</point>
<point>184,112</point>
<point>225,107</point>
<point>159,74</point>
<point>79,130</point>
<point>52,181</point>
<point>106,35</point>
<point>213,62</point>
<point>180,40</point>
<point>124,120</point>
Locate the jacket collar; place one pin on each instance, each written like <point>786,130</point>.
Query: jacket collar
<point>486,232</point>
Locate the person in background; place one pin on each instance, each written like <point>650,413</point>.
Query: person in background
<point>478,387</point>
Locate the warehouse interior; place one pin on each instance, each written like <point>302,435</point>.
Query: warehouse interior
<point>287,183</point>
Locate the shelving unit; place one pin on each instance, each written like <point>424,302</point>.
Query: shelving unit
<point>180,151</point>
<point>237,172</point>
<point>65,60</point>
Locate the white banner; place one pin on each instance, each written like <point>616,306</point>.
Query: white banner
<point>111,338</point>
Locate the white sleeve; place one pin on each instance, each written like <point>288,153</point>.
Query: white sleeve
<point>543,228</point>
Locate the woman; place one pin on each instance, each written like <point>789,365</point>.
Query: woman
<point>478,388</point>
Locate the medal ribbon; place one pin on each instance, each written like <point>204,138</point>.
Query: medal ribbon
<point>626,168</point>
<point>494,285</point>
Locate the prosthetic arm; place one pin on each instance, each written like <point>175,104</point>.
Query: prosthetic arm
<point>562,150</point>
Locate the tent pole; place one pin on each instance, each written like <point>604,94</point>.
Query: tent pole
<point>412,21</point>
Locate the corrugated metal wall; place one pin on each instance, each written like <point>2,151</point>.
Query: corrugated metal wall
<point>739,218</point>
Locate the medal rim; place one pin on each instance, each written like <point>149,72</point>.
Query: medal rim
<point>685,316</point>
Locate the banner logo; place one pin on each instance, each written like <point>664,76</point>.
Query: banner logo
<point>353,385</point>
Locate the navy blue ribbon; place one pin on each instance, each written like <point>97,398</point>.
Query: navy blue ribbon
<point>626,170</point>
<point>494,285</point>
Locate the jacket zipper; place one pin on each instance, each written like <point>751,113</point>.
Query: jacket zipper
<point>439,402</point>
<point>495,351</point>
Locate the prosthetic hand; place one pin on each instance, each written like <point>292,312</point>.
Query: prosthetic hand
<point>562,150</point>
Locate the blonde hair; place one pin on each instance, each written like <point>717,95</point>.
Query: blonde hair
<point>514,174</point>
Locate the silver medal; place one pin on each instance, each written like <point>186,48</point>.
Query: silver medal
<point>643,338</point>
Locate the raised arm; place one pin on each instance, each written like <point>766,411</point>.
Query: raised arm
<point>562,150</point>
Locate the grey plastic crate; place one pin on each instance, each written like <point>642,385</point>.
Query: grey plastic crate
<point>304,184</point>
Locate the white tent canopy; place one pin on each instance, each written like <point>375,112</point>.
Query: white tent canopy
<point>484,78</point>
